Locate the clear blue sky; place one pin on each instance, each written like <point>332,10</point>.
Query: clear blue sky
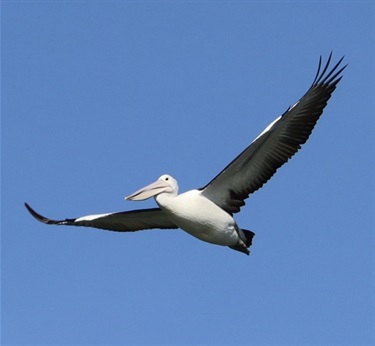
<point>100,98</point>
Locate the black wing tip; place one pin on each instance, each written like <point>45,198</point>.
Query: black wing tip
<point>41,218</point>
<point>333,76</point>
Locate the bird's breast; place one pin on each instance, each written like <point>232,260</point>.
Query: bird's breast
<point>200,217</point>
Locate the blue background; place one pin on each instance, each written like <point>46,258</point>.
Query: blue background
<point>101,98</point>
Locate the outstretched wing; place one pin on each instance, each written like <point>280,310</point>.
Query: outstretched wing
<point>126,221</point>
<point>275,145</point>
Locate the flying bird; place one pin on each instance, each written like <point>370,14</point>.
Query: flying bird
<point>207,213</point>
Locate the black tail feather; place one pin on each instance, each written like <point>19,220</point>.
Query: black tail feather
<point>248,241</point>
<point>249,237</point>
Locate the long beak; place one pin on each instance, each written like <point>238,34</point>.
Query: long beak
<point>148,191</point>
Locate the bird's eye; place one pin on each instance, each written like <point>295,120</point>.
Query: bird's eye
<point>166,178</point>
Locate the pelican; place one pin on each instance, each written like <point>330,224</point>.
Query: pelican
<point>207,213</point>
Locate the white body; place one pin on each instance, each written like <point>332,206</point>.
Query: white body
<point>200,217</point>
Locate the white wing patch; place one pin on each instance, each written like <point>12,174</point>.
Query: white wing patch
<point>91,217</point>
<point>268,128</point>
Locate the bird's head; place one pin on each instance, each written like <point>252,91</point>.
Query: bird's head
<point>165,184</point>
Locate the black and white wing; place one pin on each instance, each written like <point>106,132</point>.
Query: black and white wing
<point>275,145</point>
<point>126,221</point>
